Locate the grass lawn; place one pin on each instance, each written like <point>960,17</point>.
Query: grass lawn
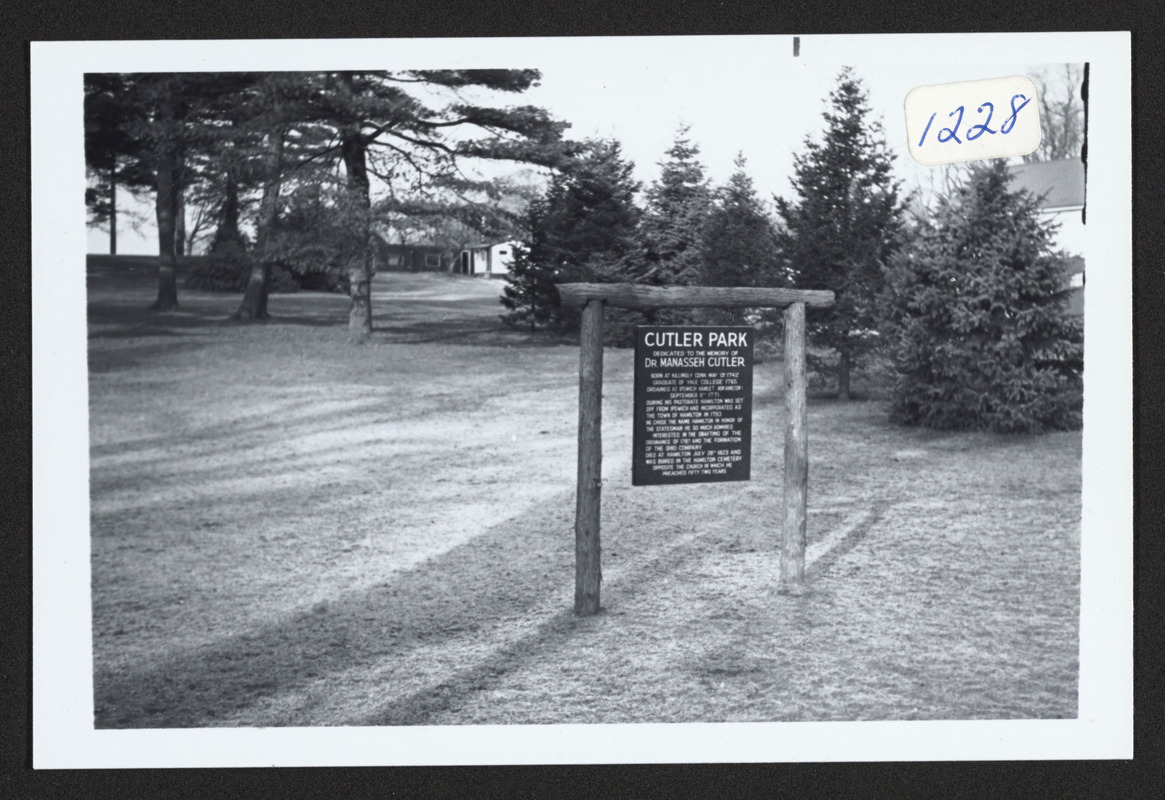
<point>291,530</point>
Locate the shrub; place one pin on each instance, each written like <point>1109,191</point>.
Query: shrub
<point>228,271</point>
<point>223,270</point>
<point>317,236</point>
<point>873,378</point>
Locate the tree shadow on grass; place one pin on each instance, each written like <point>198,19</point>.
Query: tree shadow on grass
<point>119,320</point>
<point>427,332</point>
<point>461,593</point>
<point>130,321</point>
<point>142,355</point>
<point>416,645</point>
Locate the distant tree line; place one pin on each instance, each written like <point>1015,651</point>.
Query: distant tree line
<point>295,174</point>
<point>590,227</point>
<point>966,302</point>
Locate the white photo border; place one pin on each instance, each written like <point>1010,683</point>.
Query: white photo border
<point>63,731</point>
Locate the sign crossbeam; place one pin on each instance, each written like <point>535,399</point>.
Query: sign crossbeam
<point>636,296</point>
<point>592,298</point>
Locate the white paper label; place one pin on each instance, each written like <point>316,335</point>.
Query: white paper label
<point>972,120</point>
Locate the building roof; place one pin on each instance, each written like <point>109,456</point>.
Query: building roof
<point>1060,183</point>
<point>485,244</point>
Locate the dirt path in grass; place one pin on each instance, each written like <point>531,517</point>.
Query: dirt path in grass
<point>288,530</point>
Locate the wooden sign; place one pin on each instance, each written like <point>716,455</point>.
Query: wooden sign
<point>591,299</point>
<point>693,404</point>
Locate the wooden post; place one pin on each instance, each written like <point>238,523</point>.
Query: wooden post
<point>796,452</point>
<point>587,566</point>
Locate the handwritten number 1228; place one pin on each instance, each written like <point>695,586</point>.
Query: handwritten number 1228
<point>975,131</point>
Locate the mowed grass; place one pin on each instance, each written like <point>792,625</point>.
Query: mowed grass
<point>291,530</point>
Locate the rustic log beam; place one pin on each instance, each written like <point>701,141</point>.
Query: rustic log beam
<point>631,295</point>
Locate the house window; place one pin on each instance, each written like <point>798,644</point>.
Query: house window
<point>503,252</point>
<point>432,260</point>
<point>1076,281</point>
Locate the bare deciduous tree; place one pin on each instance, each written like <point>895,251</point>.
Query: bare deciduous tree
<point>1061,112</point>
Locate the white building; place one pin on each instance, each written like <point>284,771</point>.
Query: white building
<point>1060,184</point>
<point>485,259</point>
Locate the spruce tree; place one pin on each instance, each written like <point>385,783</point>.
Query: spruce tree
<point>740,241</point>
<point>529,291</point>
<point>844,225</point>
<point>584,229</point>
<point>591,218</point>
<point>977,311</point>
<point>673,223</point>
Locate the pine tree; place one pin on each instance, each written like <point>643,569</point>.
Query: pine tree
<point>113,154</point>
<point>845,225</point>
<point>165,123</point>
<point>409,130</point>
<point>740,242</point>
<point>387,128</point>
<point>978,317</point>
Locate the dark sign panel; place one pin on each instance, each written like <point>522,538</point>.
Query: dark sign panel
<point>693,404</point>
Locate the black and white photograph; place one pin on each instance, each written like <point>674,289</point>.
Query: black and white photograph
<point>606,400</point>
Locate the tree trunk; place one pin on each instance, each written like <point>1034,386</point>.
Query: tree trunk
<point>843,377</point>
<point>165,208</point>
<point>166,205</point>
<point>353,148</point>
<point>179,220</point>
<point>228,227</point>
<point>360,309</point>
<point>360,292</point>
<point>254,305</point>
<point>113,209</point>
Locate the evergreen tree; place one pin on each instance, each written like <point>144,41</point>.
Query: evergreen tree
<point>270,109</point>
<point>844,226</point>
<point>583,230</point>
<point>673,223</point>
<point>163,123</point>
<point>177,109</point>
<point>740,242</point>
<point>113,154</point>
<point>591,217</point>
<point>387,129</point>
<point>411,130</point>
<point>977,311</point>
<point>529,291</point>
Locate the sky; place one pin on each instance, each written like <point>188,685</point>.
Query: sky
<point>746,95</point>
<point>762,104</point>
